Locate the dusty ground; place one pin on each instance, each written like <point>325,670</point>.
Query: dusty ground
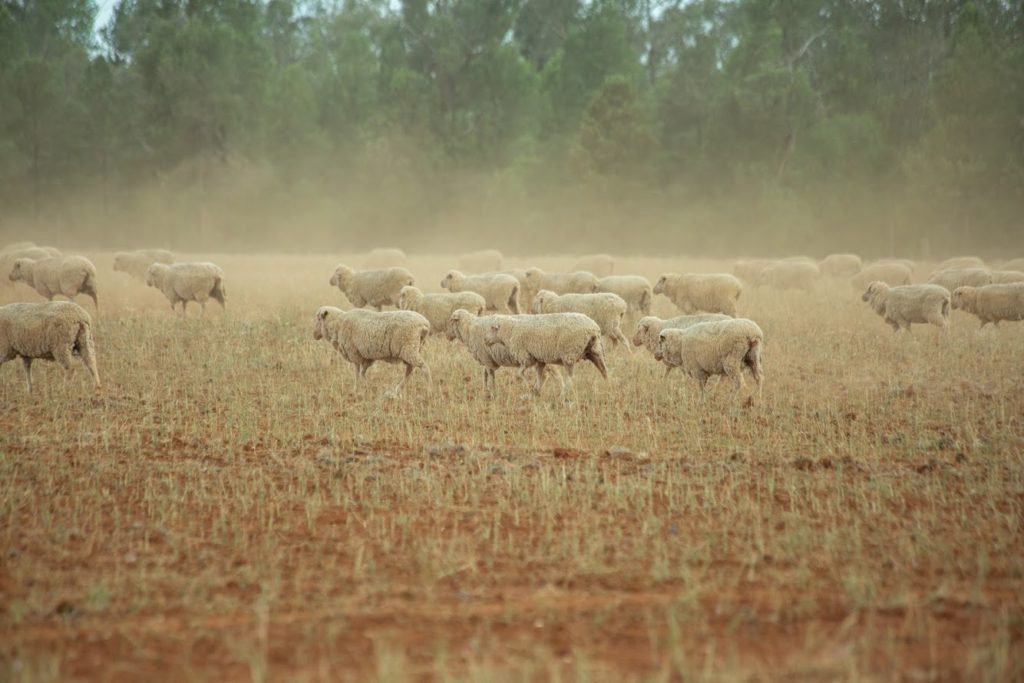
<point>228,509</point>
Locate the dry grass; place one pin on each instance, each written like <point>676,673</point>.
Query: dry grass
<point>227,508</point>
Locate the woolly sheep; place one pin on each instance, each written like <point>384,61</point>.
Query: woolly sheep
<point>67,276</point>
<point>7,261</point>
<point>891,273</point>
<point>960,263</point>
<point>438,308</point>
<point>795,274</point>
<point>483,261</point>
<point>186,282</point>
<point>499,290</point>
<point>375,288</point>
<point>648,328</point>
<point>749,270</point>
<point>575,282</point>
<point>693,292</point>
<point>1006,277</point>
<point>841,265</point>
<point>53,331</point>
<point>601,265</point>
<point>715,348</point>
<point>538,341</point>
<point>136,263</point>
<point>471,330</point>
<point>385,258</point>
<point>635,290</point>
<point>992,303</point>
<point>1016,264</point>
<point>906,304</point>
<point>961,277</point>
<point>364,337</point>
<point>606,309</point>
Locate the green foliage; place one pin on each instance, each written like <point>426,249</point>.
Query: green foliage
<point>615,138</point>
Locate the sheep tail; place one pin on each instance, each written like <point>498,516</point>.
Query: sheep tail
<point>945,307</point>
<point>595,354</point>
<point>645,302</point>
<point>513,300</point>
<point>753,357</point>
<point>218,291</point>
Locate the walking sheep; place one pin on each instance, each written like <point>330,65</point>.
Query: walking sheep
<point>576,282</point>
<point>693,292</point>
<point>54,331</point>
<point>67,276</point>
<point>364,337</point>
<point>992,303</point>
<point>499,290</point>
<point>715,348</point>
<point>901,306</point>
<point>483,261</point>
<point>1006,277</point>
<point>607,310</point>
<point>438,308</point>
<point>601,265</point>
<point>841,265</point>
<point>7,260</point>
<point>184,282</point>
<point>891,273</point>
<point>634,290</point>
<point>136,263</point>
<point>794,274</point>
<point>377,288</point>
<point>961,277</point>
<point>471,330</point>
<point>538,341</point>
<point>648,329</point>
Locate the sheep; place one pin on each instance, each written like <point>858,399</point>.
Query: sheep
<point>7,260</point>
<point>891,273</point>
<point>601,265</point>
<point>470,329</point>
<point>53,331</point>
<point>576,282</point>
<point>438,308</point>
<point>499,290</point>
<point>749,270</point>
<point>648,328</point>
<point>606,309</point>
<point>794,274</point>
<point>709,292</point>
<point>385,258</point>
<point>136,263</point>
<point>66,276</point>
<point>186,282</point>
<point>1006,277</point>
<point>483,261</point>
<point>364,337</point>
<point>962,277</point>
<point>960,263</point>
<point>841,265</point>
<point>992,303</point>
<point>538,341</point>
<point>1016,264</point>
<point>715,348</point>
<point>906,304</point>
<point>377,288</point>
<point>635,290</point>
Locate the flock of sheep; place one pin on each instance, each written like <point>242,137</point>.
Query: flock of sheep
<point>517,318</point>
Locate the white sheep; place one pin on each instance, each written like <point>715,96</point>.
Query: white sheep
<point>841,265</point>
<point>906,304</point>
<point>576,282</point>
<point>793,274</point>
<point>538,341</point>
<point>606,309</point>
<point>649,327</point>
<point>385,257</point>
<point>601,265</point>
<point>891,273</point>
<point>635,290</point>
<point>709,292</point>
<point>715,348</point>
<point>7,260</point>
<point>54,331</point>
<point>136,263</point>
<point>65,276</point>
<point>960,263</point>
<point>499,290</point>
<point>749,270</point>
<point>185,282</point>
<point>483,261</point>
<point>364,337</point>
<point>438,308</point>
<point>471,330</point>
<point>1006,277</point>
<point>961,277</point>
<point>375,288</point>
<point>1014,264</point>
<point>992,303</point>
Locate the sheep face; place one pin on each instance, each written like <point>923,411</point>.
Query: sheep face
<point>660,348</point>
<point>534,275</point>
<point>452,330</point>
<point>963,296</point>
<point>872,291</point>
<point>155,274</point>
<point>542,300</point>
<point>320,323</point>
<point>643,329</point>
<point>659,287</point>
<point>341,277</point>
<point>407,296</point>
<point>18,272</point>
<point>452,275</point>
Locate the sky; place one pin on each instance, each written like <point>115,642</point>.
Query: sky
<point>105,10</point>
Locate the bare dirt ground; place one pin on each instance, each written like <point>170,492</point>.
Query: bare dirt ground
<point>227,508</point>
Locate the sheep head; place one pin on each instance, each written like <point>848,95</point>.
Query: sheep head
<point>964,297</point>
<point>341,277</point>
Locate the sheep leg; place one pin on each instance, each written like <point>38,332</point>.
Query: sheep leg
<point>397,389</point>
<point>621,339</point>
<point>87,354</point>
<point>27,362</point>
<point>571,384</point>
<point>63,356</point>
<point>541,377</point>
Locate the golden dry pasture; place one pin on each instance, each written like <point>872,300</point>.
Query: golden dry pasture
<point>227,508</point>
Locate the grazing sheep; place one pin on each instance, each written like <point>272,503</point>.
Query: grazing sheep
<point>841,265</point>
<point>906,304</point>
<point>186,282</point>
<point>634,290</point>
<point>375,288</point>
<point>538,341</point>
<point>601,265</point>
<point>749,270</point>
<point>1006,277</point>
<point>960,263</point>
<point>606,309</point>
<point>709,292</point>
<point>471,330</point>
<point>962,277</point>
<point>365,337</point>
<point>576,282</point>
<point>715,348</point>
<point>52,331</point>
<point>136,263</point>
<point>499,290</point>
<point>385,258</point>
<point>66,276</point>
<point>648,328</point>
<point>438,308</point>
<point>795,274</point>
<point>891,273</point>
<point>992,303</point>
<point>483,261</point>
